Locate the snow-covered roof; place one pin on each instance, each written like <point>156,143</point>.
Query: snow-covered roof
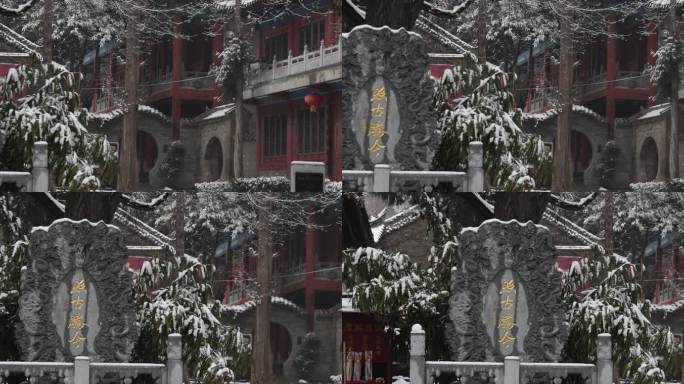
<point>395,222</point>
<point>543,116</point>
<point>666,309</point>
<point>140,227</point>
<point>574,231</point>
<point>120,112</point>
<point>215,113</point>
<point>653,112</point>
<point>443,36</point>
<point>251,304</point>
<point>18,41</point>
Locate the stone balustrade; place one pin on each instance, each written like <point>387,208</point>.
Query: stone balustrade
<point>293,65</point>
<point>83,371</point>
<point>35,181</point>
<point>512,370</point>
<point>383,179</point>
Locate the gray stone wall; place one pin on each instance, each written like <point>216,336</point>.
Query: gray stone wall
<point>656,128</point>
<point>624,139</point>
<point>195,135</point>
<point>418,248</point>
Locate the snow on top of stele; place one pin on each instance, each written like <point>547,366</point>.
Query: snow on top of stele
<point>674,185</point>
<point>476,229</point>
<point>105,117</point>
<point>378,29</point>
<point>67,220</point>
<point>539,117</point>
<point>277,300</point>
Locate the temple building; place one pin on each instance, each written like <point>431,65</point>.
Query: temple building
<point>613,100</point>
<point>291,96</point>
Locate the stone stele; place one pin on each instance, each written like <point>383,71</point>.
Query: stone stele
<point>506,295</point>
<point>386,102</point>
<point>76,294</point>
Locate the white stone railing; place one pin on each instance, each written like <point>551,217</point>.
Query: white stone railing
<point>38,179</point>
<point>128,371</point>
<point>586,371</point>
<point>64,372</point>
<point>463,369</point>
<point>383,179</point>
<point>293,65</point>
<point>512,370</point>
<point>82,371</point>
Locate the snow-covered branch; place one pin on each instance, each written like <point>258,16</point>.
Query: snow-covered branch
<point>16,10</point>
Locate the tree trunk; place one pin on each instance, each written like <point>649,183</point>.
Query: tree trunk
<point>237,162</point>
<point>521,206</point>
<point>180,224</point>
<point>393,13</point>
<point>262,367</point>
<point>230,166</point>
<point>92,206</point>
<point>674,106</point>
<point>608,224</point>
<point>46,21</point>
<point>482,31</point>
<point>562,172</point>
<point>128,164</point>
<point>356,231</point>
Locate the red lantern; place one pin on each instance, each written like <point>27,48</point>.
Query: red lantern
<point>312,100</point>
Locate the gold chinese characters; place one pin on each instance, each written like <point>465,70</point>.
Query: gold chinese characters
<point>376,129</point>
<point>506,320</point>
<point>76,321</point>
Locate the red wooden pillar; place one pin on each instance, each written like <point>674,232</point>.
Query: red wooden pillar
<point>259,44</point>
<point>329,21</point>
<point>611,75</point>
<point>96,82</point>
<point>309,305</point>
<point>337,131</point>
<point>216,48</point>
<point>291,142</point>
<point>543,79</point>
<point>292,42</point>
<point>530,79</point>
<point>260,139</point>
<point>651,48</point>
<point>177,77</point>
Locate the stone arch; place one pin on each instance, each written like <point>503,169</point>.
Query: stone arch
<point>148,155</point>
<point>293,319</point>
<point>281,347</point>
<point>648,160</point>
<point>213,159</point>
<point>581,151</point>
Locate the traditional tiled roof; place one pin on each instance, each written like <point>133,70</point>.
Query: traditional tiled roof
<point>383,227</point>
<point>16,40</point>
